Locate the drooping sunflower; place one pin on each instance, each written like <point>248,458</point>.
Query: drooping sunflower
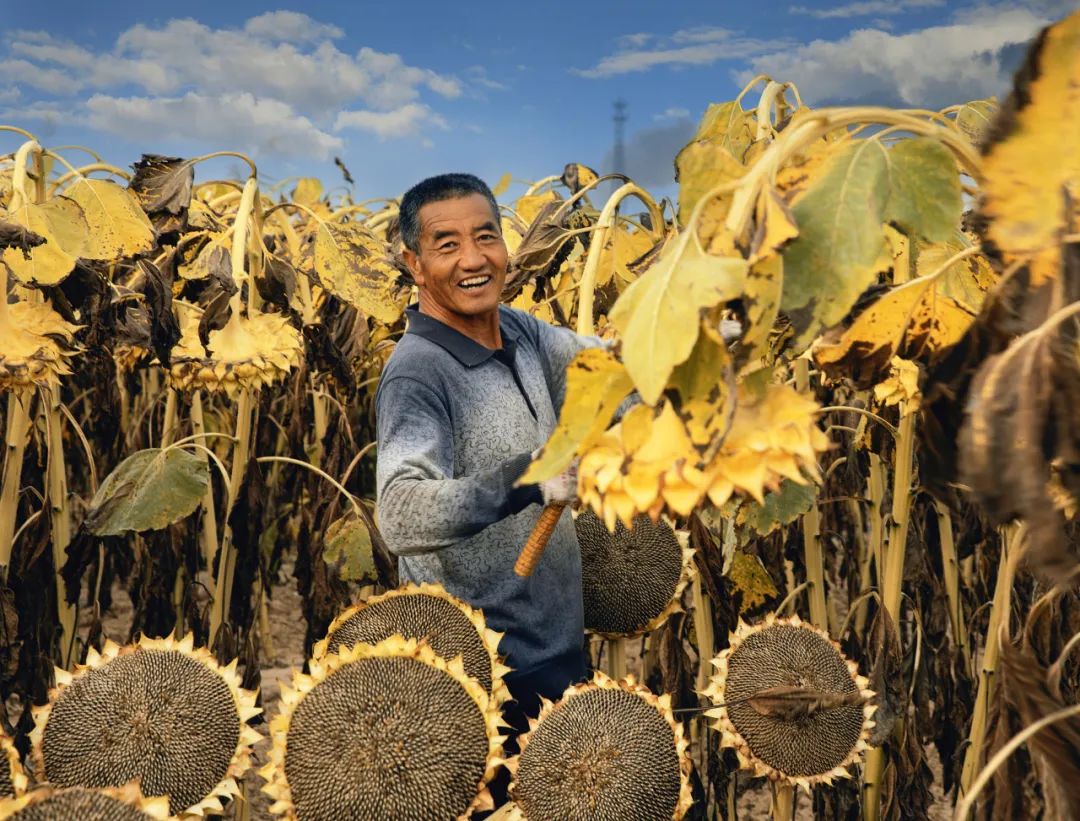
<point>49,803</point>
<point>36,345</point>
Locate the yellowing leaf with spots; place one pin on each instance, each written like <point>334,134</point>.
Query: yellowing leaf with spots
<point>117,225</point>
<point>624,246</point>
<point>308,191</point>
<point>749,576</point>
<point>901,387</point>
<point>525,301</point>
<point>60,221</point>
<point>596,382</point>
<point>967,280</point>
<point>1032,164</point>
<point>356,267</point>
<point>701,166</point>
<point>912,320</point>
<point>528,206</point>
<point>659,314</point>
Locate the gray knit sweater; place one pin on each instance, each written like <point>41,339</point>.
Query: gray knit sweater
<point>456,424</point>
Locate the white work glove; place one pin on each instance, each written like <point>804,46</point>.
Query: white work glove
<point>730,330</point>
<point>561,489</point>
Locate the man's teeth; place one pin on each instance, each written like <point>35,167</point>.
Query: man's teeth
<point>473,282</point>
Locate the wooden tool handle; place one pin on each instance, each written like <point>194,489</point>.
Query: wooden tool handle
<point>538,539</point>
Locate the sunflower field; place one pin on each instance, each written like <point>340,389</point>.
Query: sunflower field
<point>831,556</point>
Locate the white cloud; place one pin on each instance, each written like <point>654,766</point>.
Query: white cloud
<point>235,120</point>
<point>672,114</point>
<point>290,26</point>
<point>865,8</point>
<point>478,76</point>
<point>280,64</point>
<point>972,57</point>
<point>701,34</point>
<point>408,120</point>
<point>636,40</point>
<point>699,46</point>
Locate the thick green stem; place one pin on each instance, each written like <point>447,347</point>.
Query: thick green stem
<point>15,439</point>
<point>1012,538</point>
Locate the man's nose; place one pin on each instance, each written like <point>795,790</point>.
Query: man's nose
<point>472,257</point>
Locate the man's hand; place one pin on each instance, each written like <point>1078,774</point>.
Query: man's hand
<point>561,489</point>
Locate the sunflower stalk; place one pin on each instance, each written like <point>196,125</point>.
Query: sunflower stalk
<point>951,571</point>
<point>811,531</point>
<point>1012,537</point>
<point>60,520</point>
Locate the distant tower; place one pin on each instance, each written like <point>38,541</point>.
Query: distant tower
<point>620,148</point>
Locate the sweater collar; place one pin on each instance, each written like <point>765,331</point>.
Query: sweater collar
<point>468,352</point>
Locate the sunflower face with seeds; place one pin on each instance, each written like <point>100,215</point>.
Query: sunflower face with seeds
<point>605,751</point>
<point>160,712</point>
<point>424,612</point>
<point>384,731</point>
<point>631,579</point>
<point>791,705</point>
<point>110,804</point>
<point>13,779</point>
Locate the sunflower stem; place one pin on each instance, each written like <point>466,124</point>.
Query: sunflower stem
<point>208,532</point>
<point>811,530</point>
<point>1011,540</point>
<point>15,439</point>
<point>60,520</point>
<point>783,804</point>
<point>951,572</point>
<point>604,225</point>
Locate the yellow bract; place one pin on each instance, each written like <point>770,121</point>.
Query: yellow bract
<point>901,387</point>
<point>1033,167</point>
<point>651,460</point>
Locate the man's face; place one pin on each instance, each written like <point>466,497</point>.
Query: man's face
<point>461,266</point>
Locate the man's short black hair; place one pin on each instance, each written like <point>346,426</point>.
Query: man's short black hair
<point>436,189</point>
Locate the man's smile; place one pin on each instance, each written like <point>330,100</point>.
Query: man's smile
<point>475,282</point>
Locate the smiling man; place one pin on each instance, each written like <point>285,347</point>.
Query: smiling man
<point>471,390</point>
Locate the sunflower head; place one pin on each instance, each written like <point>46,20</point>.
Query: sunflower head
<point>425,612</point>
<point>160,711</point>
<point>48,803</point>
<point>606,749</point>
<point>36,344</point>
<point>385,730</point>
<point>248,353</point>
<point>789,703</point>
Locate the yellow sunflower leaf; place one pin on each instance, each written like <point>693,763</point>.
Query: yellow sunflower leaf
<point>213,256</point>
<point>974,117</point>
<point>308,191</point>
<point>1031,163</point>
<point>528,206</point>
<point>967,281</point>
<point>911,319</point>
<point>499,188</point>
<point>658,315</point>
<point>701,166</point>
<point>61,222</point>
<point>596,382</point>
<point>356,267</point>
<point>118,227</point>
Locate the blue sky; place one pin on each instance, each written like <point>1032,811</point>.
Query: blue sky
<point>403,90</point>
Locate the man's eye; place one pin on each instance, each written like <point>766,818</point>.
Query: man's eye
<point>446,246</point>
<point>488,237</point>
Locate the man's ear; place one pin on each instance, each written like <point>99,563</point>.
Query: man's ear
<point>412,262</point>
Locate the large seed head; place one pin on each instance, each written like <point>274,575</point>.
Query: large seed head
<point>427,613</point>
<point>13,780</point>
<point>391,731</point>
<point>85,804</point>
<point>632,578</point>
<point>158,712</point>
<point>604,752</point>
<point>799,748</point>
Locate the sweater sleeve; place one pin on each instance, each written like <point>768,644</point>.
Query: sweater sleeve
<point>422,506</point>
